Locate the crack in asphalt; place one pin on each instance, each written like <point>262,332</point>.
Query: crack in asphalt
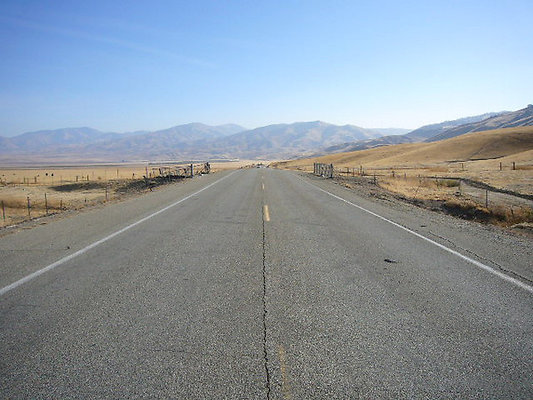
<point>265,352</point>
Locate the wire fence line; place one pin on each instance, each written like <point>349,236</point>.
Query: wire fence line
<point>466,188</point>
<point>81,192</point>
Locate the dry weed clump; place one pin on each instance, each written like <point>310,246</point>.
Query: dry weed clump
<point>15,202</point>
<point>449,183</point>
<point>466,209</point>
<point>421,187</point>
<point>512,215</point>
<point>445,194</point>
<point>498,215</point>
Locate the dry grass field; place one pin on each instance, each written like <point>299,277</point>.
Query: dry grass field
<point>500,158</point>
<point>57,189</point>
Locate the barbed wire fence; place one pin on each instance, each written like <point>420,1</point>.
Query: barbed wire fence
<point>56,199</point>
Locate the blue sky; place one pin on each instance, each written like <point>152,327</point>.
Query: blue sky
<point>122,66</point>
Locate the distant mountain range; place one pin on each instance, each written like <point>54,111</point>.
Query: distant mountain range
<point>172,143</point>
<point>367,144</point>
<point>286,140</point>
<point>523,117</point>
<point>429,131</point>
<point>194,140</point>
<point>443,130</point>
<point>391,131</point>
<point>76,139</point>
<point>37,141</point>
<point>199,141</point>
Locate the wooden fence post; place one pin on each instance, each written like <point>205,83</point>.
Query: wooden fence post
<point>29,207</point>
<point>3,212</point>
<point>46,203</point>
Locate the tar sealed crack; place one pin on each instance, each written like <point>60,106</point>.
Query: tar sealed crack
<point>265,353</point>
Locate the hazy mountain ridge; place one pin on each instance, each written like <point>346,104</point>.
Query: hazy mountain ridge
<point>429,131</point>
<point>368,144</point>
<point>391,131</point>
<point>200,141</point>
<point>61,139</point>
<point>91,141</point>
<point>40,140</point>
<point>444,130</point>
<point>167,142</point>
<point>523,117</point>
<point>287,139</point>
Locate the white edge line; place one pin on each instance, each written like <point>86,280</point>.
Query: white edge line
<point>63,260</point>
<point>456,253</point>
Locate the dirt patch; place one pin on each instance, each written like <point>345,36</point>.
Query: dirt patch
<point>145,184</point>
<point>70,187</point>
<point>524,228</point>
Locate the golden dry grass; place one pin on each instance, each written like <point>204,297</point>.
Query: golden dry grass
<point>421,188</point>
<point>469,147</point>
<point>415,171</point>
<point>475,156</point>
<point>17,184</point>
<point>15,200</point>
<point>56,176</point>
<point>229,165</point>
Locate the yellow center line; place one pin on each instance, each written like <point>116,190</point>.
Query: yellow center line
<point>285,387</point>
<point>266,214</point>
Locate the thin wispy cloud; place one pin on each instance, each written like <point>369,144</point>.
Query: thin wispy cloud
<point>125,44</point>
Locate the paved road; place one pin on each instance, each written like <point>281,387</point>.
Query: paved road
<point>262,284</point>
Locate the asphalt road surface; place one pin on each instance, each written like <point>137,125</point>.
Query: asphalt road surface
<point>264,284</point>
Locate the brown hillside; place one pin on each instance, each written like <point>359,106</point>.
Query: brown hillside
<point>470,147</point>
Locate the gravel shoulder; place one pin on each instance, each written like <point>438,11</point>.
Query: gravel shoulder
<point>489,244</point>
